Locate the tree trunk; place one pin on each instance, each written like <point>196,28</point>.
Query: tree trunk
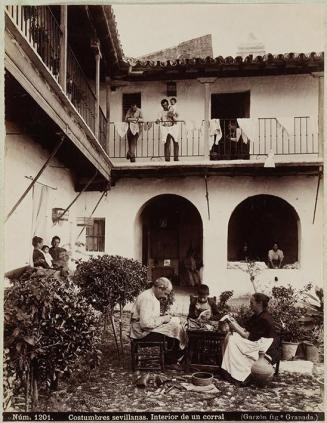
<point>114,333</point>
<point>27,388</point>
<point>121,328</point>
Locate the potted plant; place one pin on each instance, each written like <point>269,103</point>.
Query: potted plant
<point>287,314</point>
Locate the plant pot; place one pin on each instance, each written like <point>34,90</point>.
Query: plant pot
<point>312,353</point>
<point>289,350</point>
<point>322,389</point>
<point>202,379</point>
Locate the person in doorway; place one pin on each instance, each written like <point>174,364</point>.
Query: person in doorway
<point>47,255</point>
<point>133,117</point>
<point>202,305</point>
<point>148,324</point>
<point>275,257</point>
<point>38,255</point>
<point>242,345</point>
<point>57,253</point>
<point>168,129</point>
<point>191,273</point>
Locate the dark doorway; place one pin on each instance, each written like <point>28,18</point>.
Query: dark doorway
<point>260,221</point>
<point>171,227</point>
<point>129,100</point>
<point>230,106</point>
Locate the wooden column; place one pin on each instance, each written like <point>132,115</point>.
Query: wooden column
<point>63,48</point>
<point>321,115</point>
<point>108,94</point>
<point>206,83</point>
<point>97,92</point>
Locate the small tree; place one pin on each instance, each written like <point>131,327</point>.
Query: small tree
<point>48,327</point>
<point>107,281</point>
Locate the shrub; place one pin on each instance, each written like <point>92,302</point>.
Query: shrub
<point>48,327</point>
<point>106,281</point>
<point>222,306</point>
<point>287,312</point>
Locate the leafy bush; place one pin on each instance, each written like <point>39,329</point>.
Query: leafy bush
<point>48,327</point>
<point>287,312</point>
<point>109,280</point>
<point>106,281</point>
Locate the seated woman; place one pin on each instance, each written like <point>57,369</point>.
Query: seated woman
<point>38,255</point>
<point>202,303</point>
<point>243,345</point>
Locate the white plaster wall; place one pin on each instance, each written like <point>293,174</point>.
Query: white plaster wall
<point>24,157</point>
<point>270,96</point>
<point>126,200</point>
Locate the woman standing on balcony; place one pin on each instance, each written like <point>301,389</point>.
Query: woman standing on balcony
<point>134,117</point>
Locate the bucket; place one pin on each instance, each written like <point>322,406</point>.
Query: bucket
<point>289,350</point>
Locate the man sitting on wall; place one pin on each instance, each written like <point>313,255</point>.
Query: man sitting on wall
<point>147,323</point>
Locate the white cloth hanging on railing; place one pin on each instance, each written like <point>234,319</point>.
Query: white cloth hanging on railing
<point>215,129</point>
<point>249,128</point>
<point>168,130</point>
<point>287,123</point>
<point>134,127</point>
<point>121,128</point>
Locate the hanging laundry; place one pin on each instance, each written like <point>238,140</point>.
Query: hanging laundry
<point>121,128</point>
<point>287,123</point>
<point>134,127</point>
<point>249,128</point>
<point>270,162</point>
<point>215,129</point>
<point>171,130</point>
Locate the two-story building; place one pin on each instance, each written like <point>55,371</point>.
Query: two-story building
<point>223,192</point>
<point>215,199</point>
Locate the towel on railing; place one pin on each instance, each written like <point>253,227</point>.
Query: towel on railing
<point>168,130</point>
<point>121,128</point>
<point>189,126</point>
<point>249,128</point>
<point>215,129</point>
<point>134,127</point>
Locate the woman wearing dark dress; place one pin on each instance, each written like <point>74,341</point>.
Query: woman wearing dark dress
<point>38,255</point>
<point>243,345</point>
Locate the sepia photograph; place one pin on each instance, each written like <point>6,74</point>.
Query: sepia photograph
<point>163,219</point>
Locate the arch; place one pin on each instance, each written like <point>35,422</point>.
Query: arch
<point>260,221</point>
<point>169,228</point>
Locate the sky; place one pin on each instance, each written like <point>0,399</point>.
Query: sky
<point>281,27</point>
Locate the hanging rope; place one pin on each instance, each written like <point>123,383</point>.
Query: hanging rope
<point>317,193</point>
<point>54,152</point>
<point>96,206</point>
<point>77,196</point>
<point>207,195</point>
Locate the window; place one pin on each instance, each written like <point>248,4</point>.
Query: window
<point>230,105</point>
<point>95,235</point>
<point>259,222</point>
<point>129,99</point>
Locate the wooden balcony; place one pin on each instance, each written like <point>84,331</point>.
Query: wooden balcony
<point>34,57</point>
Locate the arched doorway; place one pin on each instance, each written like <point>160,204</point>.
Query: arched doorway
<point>171,231</point>
<point>259,221</point>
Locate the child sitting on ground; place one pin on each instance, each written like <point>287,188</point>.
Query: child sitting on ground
<point>202,304</point>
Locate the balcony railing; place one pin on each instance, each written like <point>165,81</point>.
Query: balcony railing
<point>79,91</point>
<point>103,130</point>
<point>42,31</point>
<point>248,138</point>
<point>150,143</point>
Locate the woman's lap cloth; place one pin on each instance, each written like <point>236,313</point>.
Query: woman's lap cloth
<point>240,354</point>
